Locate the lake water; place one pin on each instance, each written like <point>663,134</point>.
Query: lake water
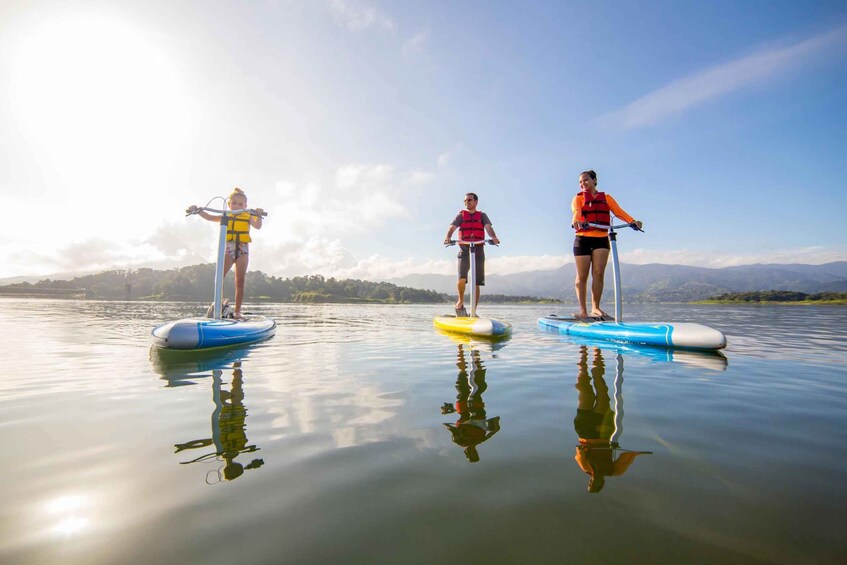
<point>360,434</point>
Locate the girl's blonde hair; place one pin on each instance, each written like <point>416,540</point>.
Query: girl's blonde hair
<point>235,192</point>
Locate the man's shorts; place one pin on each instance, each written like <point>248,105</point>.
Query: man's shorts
<point>593,425</point>
<point>585,244</point>
<point>465,263</point>
<point>243,249</point>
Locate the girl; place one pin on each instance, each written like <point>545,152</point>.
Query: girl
<point>237,240</point>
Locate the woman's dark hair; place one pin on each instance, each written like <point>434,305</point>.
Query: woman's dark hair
<point>590,173</point>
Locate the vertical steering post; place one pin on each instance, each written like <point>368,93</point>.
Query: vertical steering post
<point>616,275</point>
<point>219,268</point>
<point>472,281</point>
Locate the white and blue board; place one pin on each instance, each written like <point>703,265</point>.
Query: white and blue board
<point>200,333</point>
<point>205,333</point>
<point>683,334</point>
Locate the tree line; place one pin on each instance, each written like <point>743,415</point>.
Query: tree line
<point>194,283</point>
<point>779,296</point>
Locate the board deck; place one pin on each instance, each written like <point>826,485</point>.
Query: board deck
<point>205,333</point>
<point>683,335</point>
<point>473,326</point>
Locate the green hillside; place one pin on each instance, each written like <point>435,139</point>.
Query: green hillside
<point>778,296</point>
<point>195,284</point>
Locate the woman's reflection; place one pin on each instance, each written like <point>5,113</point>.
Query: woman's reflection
<point>229,429</point>
<point>599,425</point>
<point>473,427</point>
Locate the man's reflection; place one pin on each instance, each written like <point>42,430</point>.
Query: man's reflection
<point>229,429</point>
<point>599,425</point>
<point>472,427</point>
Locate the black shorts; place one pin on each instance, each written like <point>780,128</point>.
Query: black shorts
<point>584,244</point>
<point>465,263</point>
<point>592,425</point>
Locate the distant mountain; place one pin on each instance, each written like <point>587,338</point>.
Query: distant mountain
<point>193,283</point>
<point>54,277</point>
<point>657,282</point>
<point>641,283</point>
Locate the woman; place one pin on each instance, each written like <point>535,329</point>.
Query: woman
<point>591,245</point>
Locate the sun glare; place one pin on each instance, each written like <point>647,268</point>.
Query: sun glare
<point>103,107</point>
<point>67,513</point>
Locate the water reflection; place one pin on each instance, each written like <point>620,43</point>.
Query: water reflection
<point>712,360</point>
<point>599,422</point>
<point>228,438</point>
<point>473,426</point>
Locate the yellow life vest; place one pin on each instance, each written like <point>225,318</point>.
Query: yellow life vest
<point>238,228</point>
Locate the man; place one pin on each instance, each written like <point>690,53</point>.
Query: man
<point>472,225</point>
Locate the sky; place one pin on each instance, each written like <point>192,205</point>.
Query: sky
<point>359,125</point>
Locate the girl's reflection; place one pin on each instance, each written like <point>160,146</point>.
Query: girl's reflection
<point>597,424</point>
<point>229,429</point>
<point>472,427</point>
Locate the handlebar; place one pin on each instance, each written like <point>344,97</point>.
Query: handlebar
<point>462,242</point>
<point>252,211</point>
<point>633,225</point>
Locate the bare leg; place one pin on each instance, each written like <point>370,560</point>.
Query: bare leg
<point>599,258</point>
<point>240,276</point>
<point>598,369</point>
<point>583,266</point>
<point>586,396</point>
<point>460,287</point>
<point>228,263</point>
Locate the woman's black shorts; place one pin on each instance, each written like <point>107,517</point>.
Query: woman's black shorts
<point>584,244</point>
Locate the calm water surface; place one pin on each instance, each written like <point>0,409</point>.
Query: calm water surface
<point>360,434</point>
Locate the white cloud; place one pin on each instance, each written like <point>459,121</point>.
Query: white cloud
<point>327,258</point>
<point>445,158</point>
<point>359,199</point>
<point>815,255</point>
<point>94,255</point>
<point>314,255</point>
<point>190,238</point>
<point>377,268</point>
<point>359,16</point>
<point>419,177</point>
<point>417,43</point>
<point>719,80</point>
<point>305,233</point>
<point>519,264</point>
